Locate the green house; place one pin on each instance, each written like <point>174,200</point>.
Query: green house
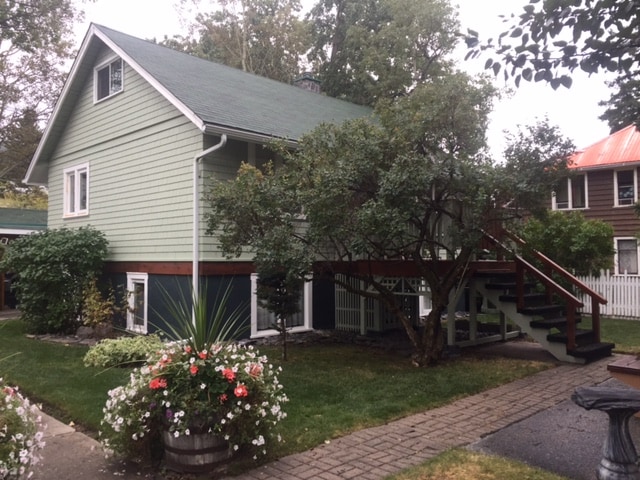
<point>136,133</point>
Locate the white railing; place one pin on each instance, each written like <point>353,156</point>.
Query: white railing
<point>621,291</point>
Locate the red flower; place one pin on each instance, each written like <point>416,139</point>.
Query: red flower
<point>203,354</point>
<point>241,391</point>
<point>223,398</point>
<point>193,369</point>
<point>255,370</point>
<point>229,375</point>
<point>157,383</point>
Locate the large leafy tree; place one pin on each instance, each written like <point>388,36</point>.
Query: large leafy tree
<point>413,188</point>
<point>35,41</point>
<point>550,39</point>
<point>365,50</point>
<point>581,245</point>
<point>264,37</point>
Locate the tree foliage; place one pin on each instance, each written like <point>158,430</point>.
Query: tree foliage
<point>415,187</point>
<point>568,238</point>
<point>35,41</point>
<point>623,106</point>
<point>53,270</point>
<point>365,50</point>
<point>550,38</point>
<point>264,37</point>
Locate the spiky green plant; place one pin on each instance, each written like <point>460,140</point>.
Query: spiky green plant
<point>198,325</point>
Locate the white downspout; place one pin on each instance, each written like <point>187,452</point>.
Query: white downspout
<point>195,274</point>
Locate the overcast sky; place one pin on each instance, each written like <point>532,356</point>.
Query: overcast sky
<point>574,110</point>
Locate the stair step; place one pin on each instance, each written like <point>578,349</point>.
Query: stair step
<point>495,274</point>
<point>549,323</point>
<point>528,298</point>
<point>582,337</point>
<point>542,310</point>
<point>506,286</point>
<point>593,351</point>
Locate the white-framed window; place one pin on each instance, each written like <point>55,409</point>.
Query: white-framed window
<point>627,255</point>
<point>137,288</point>
<point>571,194</point>
<point>76,191</point>
<point>262,321</point>
<point>625,187</point>
<point>108,79</point>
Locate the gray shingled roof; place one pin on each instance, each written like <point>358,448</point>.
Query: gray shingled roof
<point>228,97</point>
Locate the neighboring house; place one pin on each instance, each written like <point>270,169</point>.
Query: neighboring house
<point>604,186</point>
<point>16,222</point>
<point>134,137</point>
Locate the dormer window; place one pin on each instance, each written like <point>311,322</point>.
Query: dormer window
<point>108,79</point>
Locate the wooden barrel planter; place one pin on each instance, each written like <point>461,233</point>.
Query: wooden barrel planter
<point>195,453</point>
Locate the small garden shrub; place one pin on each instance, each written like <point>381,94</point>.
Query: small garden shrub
<point>122,351</point>
<point>100,308</point>
<point>53,269</point>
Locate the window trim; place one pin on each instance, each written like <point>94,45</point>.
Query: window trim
<point>554,203</point>
<point>132,278</point>
<point>107,64</point>
<point>76,170</point>
<point>307,307</point>
<point>615,187</point>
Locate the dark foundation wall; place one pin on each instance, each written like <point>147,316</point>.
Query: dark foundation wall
<point>324,304</point>
<point>164,290</point>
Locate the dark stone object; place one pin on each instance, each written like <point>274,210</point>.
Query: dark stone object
<point>619,461</point>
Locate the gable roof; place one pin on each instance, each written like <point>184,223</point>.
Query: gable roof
<point>619,149</point>
<point>216,98</point>
<point>20,221</point>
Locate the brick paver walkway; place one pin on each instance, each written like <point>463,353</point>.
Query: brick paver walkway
<point>374,453</point>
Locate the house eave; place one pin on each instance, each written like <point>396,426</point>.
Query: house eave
<point>245,135</point>
<point>608,166</point>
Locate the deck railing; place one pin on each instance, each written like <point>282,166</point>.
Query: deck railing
<point>573,303</point>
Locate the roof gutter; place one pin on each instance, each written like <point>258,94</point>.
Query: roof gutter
<point>195,267</point>
<point>245,135</point>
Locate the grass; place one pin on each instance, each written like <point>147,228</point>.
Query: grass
<point>466,465</point>
<point>333,389</point>
<point>624,333</point>
<point>53,374</point>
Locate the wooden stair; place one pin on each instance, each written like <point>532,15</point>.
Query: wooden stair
<point>553,324</point>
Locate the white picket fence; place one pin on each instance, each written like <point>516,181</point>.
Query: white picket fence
<point>621,291</point>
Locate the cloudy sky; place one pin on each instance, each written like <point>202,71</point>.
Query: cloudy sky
<point>575,110</point>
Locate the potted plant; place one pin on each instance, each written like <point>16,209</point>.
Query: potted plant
<point>21,433</point>
<point>202,393</point>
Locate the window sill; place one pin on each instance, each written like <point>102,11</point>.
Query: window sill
<point>273,332</point>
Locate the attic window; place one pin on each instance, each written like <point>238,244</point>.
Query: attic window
<point>108,79</point>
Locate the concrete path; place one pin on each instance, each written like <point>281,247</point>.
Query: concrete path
<point>374,453</point>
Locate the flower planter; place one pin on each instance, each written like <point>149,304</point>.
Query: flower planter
<point>195,453</point>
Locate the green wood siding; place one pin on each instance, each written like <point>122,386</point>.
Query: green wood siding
<point>140,151</point>
<point>224,165</point>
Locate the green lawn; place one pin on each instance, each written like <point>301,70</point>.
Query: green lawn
<point>333,389</point>
<point>624,333</point>
<point>466,465</point>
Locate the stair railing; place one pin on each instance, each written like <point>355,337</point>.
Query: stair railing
<point>552,287</point>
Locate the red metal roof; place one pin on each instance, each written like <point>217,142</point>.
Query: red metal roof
<point>618,149</point>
